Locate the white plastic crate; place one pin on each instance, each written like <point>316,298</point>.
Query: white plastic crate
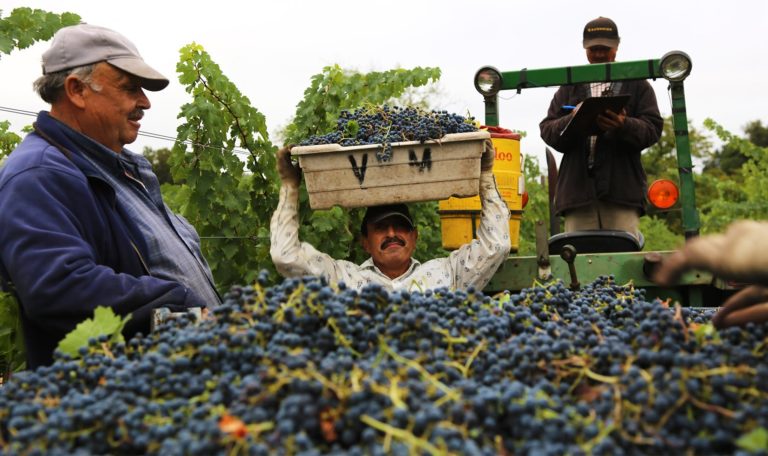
<point>353,177</point>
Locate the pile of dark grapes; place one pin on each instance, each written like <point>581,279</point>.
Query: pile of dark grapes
<point>386,124</point>
<point>305,368</point>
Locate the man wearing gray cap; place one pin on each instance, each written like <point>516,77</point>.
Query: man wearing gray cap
<point>84,223</point>
<point>601,183</point>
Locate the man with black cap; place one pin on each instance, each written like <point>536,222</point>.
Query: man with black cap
<point>389,235</point>
<point>84,223</point>
<point>601,182</point>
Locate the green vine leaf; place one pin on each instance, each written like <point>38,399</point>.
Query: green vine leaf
<point>226,162</point>
<point>12,353</point>
<point>352,128</point>
<point>755,441</point>
<point>26,26</point>
<point>705,332</point>
<point>104,322</point>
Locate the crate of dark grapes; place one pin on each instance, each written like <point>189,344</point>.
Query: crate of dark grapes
<point>398,157</point>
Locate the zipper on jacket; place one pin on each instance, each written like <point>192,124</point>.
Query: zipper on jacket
<point>141,257</point>
<point>134,180</point>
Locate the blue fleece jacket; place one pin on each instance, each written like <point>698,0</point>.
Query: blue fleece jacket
<point>66,247</point>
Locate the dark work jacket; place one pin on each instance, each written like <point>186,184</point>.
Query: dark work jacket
<point>66,246</point>
<point>617,175</point>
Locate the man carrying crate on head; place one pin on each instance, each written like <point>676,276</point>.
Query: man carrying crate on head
<point>389,235</point>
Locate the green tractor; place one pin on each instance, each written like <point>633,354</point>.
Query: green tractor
<point>581,257</point>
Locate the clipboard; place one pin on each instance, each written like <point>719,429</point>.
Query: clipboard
<point>583,121</point>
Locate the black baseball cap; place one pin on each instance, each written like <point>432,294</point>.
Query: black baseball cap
<point>601,32</point>
<point>375,214</point>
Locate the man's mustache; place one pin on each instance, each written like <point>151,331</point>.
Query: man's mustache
<point>136,114</point>
<point>392,240</point>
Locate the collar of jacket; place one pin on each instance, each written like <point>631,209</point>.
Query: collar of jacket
<point>74,144</point>
<point>369,264</point>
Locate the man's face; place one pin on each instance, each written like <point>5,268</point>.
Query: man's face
<point>601,54</point>
<point>114,103</point>
<point>391,243</point>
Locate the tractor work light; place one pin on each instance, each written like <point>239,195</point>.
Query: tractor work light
<point>675,66</point>
<point>488,81</point>
<point>663,194</point>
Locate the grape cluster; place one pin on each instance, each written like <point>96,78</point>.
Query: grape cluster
<point>386,125</point>
<point>305,368</point>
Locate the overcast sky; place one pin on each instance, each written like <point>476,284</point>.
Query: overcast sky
<point>270,50</point>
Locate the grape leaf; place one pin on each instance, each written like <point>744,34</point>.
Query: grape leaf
<point>705,331</point>
<point>12,350</point>
<point>104,321</point>
<point>26,26</point>
<point>755,441</point>
<point>350,131</point>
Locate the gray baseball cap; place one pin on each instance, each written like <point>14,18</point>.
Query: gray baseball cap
<point>85,44</point>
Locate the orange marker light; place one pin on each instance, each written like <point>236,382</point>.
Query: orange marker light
<point>663,193</point>
<point>525,199</point>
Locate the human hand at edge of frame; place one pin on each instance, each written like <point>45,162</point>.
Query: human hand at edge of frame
<point>487,159</point>
<point>749,305</point>
<point>290,174</point>
<point>741,253</point>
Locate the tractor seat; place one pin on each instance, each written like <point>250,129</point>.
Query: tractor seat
<point>596,241</point>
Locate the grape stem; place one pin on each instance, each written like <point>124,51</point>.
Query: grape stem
<point>401,434</point>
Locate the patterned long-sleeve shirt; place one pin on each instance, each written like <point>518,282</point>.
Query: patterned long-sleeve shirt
<point>473,264</point>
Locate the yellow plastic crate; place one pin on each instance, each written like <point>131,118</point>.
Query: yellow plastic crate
<point>460,217</point>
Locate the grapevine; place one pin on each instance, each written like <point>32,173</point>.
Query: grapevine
<point>303,367</point>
